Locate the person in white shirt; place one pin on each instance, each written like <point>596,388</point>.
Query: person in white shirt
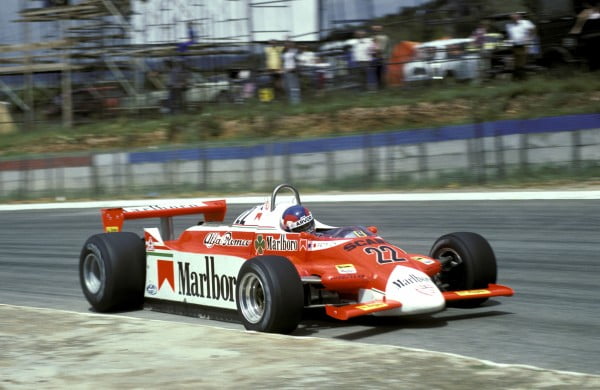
<point>290,72</point>
<point>363,58</point>
<point>521,32</point>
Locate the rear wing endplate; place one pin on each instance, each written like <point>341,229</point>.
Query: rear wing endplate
<point>113,218</point>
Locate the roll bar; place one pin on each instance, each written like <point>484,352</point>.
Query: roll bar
<point>283,187</point>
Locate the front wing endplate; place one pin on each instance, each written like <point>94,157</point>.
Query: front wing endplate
<point>492,290</point>
<point>360,309</point>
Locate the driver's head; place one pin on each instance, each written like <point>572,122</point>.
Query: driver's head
<point>297,219</point>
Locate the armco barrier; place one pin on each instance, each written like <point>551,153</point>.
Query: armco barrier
<point>481,151</point>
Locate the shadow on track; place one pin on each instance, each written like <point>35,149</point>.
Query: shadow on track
<point>315,321</point>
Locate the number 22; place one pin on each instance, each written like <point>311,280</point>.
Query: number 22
<point>385,254</point>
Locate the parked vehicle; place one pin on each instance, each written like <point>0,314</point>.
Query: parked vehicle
<point>443,59</point>
<point>89,101</point>
<point>200,90</point>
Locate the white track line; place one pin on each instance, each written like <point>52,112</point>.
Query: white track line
<point>328,198</point>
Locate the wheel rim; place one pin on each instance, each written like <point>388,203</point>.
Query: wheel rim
<point>93,273</point>
<point>252,298</point>
<point>452,275</point>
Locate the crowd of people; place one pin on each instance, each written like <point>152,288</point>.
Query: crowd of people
<point>289,66</point>
<point>366,58</point>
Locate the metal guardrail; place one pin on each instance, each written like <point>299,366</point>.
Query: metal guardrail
<point>510,151</point>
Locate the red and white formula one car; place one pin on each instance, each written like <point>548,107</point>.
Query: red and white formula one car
<point>274,261</point>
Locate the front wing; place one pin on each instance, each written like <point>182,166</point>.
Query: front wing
<point>346,312</point>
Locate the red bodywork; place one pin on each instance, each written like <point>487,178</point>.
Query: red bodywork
<point>343,265</point>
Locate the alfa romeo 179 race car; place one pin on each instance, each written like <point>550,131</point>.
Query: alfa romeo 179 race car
<point>274,261</point>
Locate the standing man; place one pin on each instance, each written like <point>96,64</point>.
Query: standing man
<point>362,54</point>
<point>479,40</point>
<point>290,72</point>
<point>522,34</point>
<point>273,63</point>
<point>381,55</point>
<point>177,84</point>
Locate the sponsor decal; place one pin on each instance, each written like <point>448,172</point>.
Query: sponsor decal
<point>259,244</point>
<point>410,280</point>
<point>149,245</point>
<point>346,268</point>
<point>205,284</point>
<point>420,284</point>
<point>358,243</point>
<point>359,233</point>
<point>157,207</point>
<point>212,239</point>
<point>165,273</point>
<point>112,229</point>
<point>274,244</point>
<point>348,276</point>
<point>304,244</point>
<point>371,306</point>
<point>281,244</point>
<point>427,289</point>
<point>152,289</point>
<point>423,260</point>
<point>471,292</point>
<point>320,245</point>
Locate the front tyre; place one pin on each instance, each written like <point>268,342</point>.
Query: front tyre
<point>112,271</point>
<point>270,297</point>
<point>468,262</point>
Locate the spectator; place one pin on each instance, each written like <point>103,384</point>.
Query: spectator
<point>478,35</point>
<point>290,72</point>
<point>381,54</point>
<point>177,84</point>
<point>273,63</point>
<point>587,30</point>
<point>306,63</point>
<point>479,42</point>
<point>362,54</point>
<point>184,46</point>
<point>522,34</point>
<point>350,71</point>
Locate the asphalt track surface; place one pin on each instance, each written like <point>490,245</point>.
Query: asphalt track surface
<point>547,250</point>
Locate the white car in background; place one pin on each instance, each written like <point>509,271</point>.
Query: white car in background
<point>444,59</point>
<point>216,89</point>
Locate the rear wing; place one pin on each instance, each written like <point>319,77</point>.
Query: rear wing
<point>113,218</point>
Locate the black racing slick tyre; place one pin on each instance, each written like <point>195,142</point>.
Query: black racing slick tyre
<point>270,296</point>
<point>468,262</point>
<point>112,271</point>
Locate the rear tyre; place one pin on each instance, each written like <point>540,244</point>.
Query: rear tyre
<point>112,271</point>
<point>270,296</point>
<point>468,262</point>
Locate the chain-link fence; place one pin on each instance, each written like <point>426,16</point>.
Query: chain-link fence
<point>102,58</point>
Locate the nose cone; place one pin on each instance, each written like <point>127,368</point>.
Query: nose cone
<point>415,290</point>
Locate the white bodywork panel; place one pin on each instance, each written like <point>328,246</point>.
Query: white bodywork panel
<point>208,280</point>
<point>411,287</point>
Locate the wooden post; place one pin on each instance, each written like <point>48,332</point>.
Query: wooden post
<point>66,101</point>
<point>28,80</point>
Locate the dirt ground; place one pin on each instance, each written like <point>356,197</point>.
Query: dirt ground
<point>49,349</point>
<point>191,128</point>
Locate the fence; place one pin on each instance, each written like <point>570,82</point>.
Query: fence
<point>478,153</point>
<point>329,68</point>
